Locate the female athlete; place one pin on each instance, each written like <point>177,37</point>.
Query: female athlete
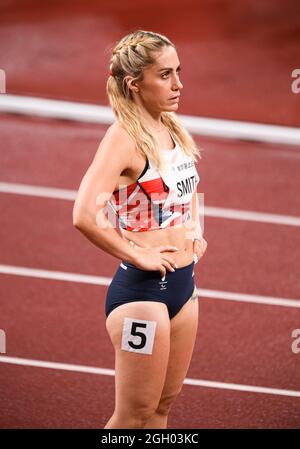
<point>144,173</point>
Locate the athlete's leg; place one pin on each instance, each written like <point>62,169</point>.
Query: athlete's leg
<point>183,335</point>
<point>139,376</point>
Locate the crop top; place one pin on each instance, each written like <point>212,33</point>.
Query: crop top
<point>158,199</point>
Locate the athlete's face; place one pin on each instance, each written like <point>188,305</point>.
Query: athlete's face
<point>161,83</point>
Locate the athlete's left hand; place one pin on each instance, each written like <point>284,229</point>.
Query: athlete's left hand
<point>199,248</point>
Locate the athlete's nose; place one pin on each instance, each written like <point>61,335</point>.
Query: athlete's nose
<point>178,85</point>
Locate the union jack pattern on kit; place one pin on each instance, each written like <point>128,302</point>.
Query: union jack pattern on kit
<point>158,200</point>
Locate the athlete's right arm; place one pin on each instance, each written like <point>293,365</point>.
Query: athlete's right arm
<point>114,154</point>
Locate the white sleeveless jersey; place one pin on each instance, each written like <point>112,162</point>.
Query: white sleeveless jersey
<point>158,199</point>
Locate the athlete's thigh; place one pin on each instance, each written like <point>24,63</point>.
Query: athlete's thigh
<point>140,333</point>
<point>182,340</point>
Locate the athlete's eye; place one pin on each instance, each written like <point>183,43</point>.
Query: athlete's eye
<point>167,73</point>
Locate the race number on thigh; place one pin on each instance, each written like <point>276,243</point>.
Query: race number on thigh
<point>138,335</point>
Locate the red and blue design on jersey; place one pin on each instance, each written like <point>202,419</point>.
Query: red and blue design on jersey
<point>158,199</point>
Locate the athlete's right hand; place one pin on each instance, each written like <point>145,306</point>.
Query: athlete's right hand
<point>152,259</point>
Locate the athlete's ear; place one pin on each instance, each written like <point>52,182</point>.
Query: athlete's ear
<point>131,83</point>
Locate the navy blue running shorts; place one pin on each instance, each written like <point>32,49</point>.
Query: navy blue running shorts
<point>131,284</point>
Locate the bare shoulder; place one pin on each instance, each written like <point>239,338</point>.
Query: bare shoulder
<point>113,156</point>
<point>117,148</point>
<point>117,134</point>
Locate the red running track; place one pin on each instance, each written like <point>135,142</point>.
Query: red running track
<point>60,321</point>
<point>237,61</point>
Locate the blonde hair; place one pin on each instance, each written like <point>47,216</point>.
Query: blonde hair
<point>133,54</point>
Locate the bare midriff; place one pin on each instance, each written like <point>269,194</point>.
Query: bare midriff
<point>178,236</point>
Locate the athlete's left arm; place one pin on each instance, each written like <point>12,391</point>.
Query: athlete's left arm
<point>199,243</point>
<point>197,230</point>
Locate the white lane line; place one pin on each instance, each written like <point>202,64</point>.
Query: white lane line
<point>54,275</point>
<point>246,215</point>
<point>31,190</point>
<point>85,112</point>
<point>105,281</point>
<point>239,387</point>
<point>245,297</point>
<point>216,212</point>
<point>45,107</point>
<point>55,365</point>
<point>111,372</point>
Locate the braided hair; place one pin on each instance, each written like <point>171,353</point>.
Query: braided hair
<point>129,58</point>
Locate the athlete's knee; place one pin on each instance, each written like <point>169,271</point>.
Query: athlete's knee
<point>137,416</point>
<point>145,413</point>
<point>166,402</point>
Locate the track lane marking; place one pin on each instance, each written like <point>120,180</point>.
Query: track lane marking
<point>111,372</point>
<point>216,212</point>
<point>203,126</point>
<point>105,281</point>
